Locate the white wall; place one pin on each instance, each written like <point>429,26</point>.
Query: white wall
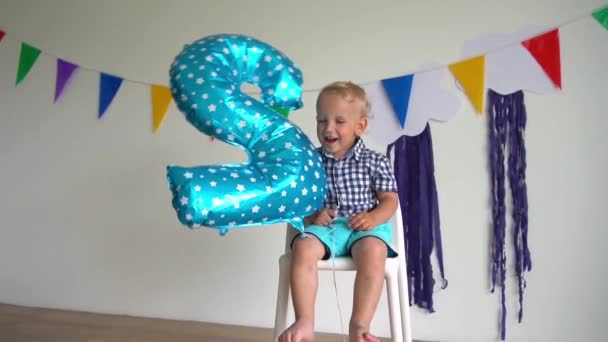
<point>86,220</point>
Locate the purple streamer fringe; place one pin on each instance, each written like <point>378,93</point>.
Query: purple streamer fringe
<point>507,119</point>
<point>415,174</point>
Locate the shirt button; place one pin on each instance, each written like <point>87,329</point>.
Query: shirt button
<point>339,182</point>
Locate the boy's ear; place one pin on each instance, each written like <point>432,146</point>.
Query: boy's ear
<point>361,125</point>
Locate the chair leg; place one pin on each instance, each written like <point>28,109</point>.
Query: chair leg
<point>392,291</point>
<point>404,302</point>
<point>280,320</point>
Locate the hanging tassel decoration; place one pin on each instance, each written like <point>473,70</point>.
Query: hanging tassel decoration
<point>507,123</point>
<point>415,174</point>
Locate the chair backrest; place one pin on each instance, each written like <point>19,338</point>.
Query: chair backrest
<point>396,222</point>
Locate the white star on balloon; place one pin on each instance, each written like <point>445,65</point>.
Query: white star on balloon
<point>255,209</point>
<point>240,187</point>
<point>281,208</point>
<point>184,200</point>
<point>188,175</point>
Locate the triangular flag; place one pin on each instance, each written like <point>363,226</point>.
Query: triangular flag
<point>545,49</point>
<point>1,35</point>
<point>108,87</point>
<point>398,90</point>
<point>283,111</point>
<point>27,58</point>
<point>470,74</point>
<point>65,70</point>
<point>601,16</point>
<point>161,98</point>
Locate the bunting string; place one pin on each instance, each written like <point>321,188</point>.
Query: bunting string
<point>600,14</point>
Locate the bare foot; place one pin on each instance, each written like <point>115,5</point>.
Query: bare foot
<point>300,331</point>
<point>360,335</point>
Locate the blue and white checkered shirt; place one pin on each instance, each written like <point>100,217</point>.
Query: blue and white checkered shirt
<point>352,181</point>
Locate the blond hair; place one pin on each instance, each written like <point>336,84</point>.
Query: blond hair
<point>349,91</point>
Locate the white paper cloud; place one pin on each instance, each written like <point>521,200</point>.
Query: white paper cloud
<point>428,101</point>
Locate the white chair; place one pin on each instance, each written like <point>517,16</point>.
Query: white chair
<point>394,274</point>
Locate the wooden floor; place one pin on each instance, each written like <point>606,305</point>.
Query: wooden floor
<point>24,324</point>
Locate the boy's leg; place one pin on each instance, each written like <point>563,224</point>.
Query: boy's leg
<point>369,255</point>
<point>303,280</point>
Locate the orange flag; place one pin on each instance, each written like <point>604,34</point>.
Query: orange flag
<point>161,98</point>
<point>470,74</point>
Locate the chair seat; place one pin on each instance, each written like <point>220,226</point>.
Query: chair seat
<point>345,263</point>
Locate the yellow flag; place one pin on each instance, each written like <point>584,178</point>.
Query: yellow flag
<point>470,74</point>
<point>161,98</point>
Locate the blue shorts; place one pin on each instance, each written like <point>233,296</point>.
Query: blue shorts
<point>339,238</point>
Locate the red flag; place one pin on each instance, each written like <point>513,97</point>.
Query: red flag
<point>545,50</point>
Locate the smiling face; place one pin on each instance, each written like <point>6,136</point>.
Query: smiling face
<point>340,121</point>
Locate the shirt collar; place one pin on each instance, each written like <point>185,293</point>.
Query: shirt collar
<point>355,151</point>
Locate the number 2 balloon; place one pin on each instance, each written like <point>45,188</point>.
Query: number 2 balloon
<point>283,179</point>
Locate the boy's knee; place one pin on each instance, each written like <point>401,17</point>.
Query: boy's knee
<point>308,248</point>
<point>369,248</point>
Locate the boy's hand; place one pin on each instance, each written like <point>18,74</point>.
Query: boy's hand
<point>324,217</point>
<point>362,221</point>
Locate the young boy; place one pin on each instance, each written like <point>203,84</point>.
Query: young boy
<point>361,198</point>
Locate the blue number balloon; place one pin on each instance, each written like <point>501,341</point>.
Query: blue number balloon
<point>283,180</point>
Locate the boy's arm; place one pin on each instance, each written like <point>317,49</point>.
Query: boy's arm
<point>387,204</point>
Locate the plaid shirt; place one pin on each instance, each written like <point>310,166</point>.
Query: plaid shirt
<point>352,181</point>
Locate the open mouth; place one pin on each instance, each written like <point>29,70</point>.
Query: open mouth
<point>330,140</point>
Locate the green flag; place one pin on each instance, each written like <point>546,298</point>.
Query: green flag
<point>601,16</point>
<point>282,111</point>
<point>27,58</point>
